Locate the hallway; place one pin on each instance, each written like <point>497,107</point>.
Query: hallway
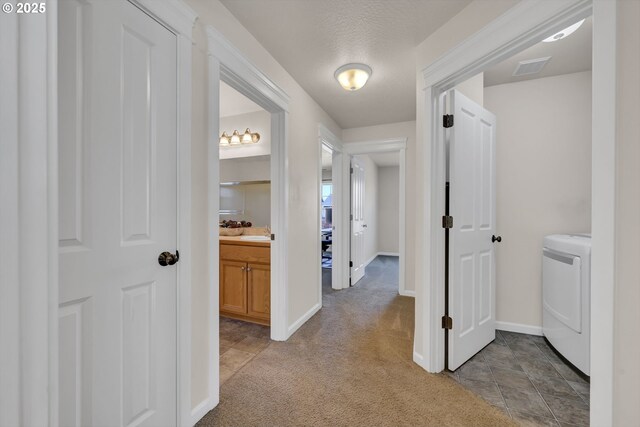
<point>351,364</point>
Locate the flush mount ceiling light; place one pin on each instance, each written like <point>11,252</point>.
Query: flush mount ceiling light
<point>239,139</point>
<point>353,76</point>
<point>564,33</point>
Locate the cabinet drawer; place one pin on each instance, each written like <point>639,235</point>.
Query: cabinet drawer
<point>245,253</point>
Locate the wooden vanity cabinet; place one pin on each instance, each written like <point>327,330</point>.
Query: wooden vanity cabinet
<point>245,281</point>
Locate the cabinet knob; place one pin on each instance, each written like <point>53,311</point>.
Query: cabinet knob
<point>242,268</point>
<point>248,268</point>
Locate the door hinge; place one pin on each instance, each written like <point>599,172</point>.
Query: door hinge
<point>351,217</point>
<point>447,120</point>
<point>350,263</point>
<point>447,221</point>
<point>351,170</point>
<point>447,322</point>
<point>273,237</point>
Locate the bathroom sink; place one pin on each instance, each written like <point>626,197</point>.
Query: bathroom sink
<point>256,238</point>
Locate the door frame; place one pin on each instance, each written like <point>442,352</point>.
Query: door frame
<point>228,64</point>
<point>32,224</point>
<point>339,274</point>
<point>520,27</point>
<point>29,218</point>
<point>389,145</point>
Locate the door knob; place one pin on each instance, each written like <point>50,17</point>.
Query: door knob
<point>167,258</point>
<point>496,239</point>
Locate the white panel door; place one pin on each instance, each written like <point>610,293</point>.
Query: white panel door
<point>358,226</point>
<point>472,186</point>
<point>118,212</point>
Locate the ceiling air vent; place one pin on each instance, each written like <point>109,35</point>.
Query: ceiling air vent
<point>531,66</point>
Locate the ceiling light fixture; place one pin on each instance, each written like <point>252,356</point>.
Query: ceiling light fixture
<point>236,138</point>
<point>353,76</point>
<point>564,33</point>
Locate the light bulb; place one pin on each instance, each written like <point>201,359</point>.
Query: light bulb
<point>353,76</point>
<point>224,139</point>
<point>564,33</point>
<point>235,138</point>
<point>246,137</point>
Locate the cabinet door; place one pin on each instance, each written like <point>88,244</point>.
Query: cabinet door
<point>259,281</point>
<point>233,287</point>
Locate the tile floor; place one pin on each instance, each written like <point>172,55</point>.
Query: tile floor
<point>523,376</point>
<point>239,343</point>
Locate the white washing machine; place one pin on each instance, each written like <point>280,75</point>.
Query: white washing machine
<point>566,295</point>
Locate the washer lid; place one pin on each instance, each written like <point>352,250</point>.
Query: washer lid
<point>578,244</point>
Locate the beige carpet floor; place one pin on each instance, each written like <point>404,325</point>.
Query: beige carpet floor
<point>350,365</point>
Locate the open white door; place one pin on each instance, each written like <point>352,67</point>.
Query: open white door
<point>472,202</point>
<point>118,213</point>
<point>358,226</point>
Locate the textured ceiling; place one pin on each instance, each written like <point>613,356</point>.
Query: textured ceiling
<point>312,38</point>
<point>233,103</point>
<point>569,55</point>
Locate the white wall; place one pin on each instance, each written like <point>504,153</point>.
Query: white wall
<point>370,206</point>
<point>388,209</point>
<point>245,169</point>
<point>258,121</point>
<point>397,130</point>
<point>473,88</point>
<point>303,163</point>
<point>543,169</point>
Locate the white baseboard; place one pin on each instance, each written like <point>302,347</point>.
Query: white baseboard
<point>389,253</point>
<point>519,328</point>
<point>406,293</point>
<point>301,321</point>
<point>380,253</point>
<point>367,262</point>
<point>201,410</point>
<point>419,360</point>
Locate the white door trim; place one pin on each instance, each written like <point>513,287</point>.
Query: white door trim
<point>520,27</point>
<point>29,219</point>
<point>381,146</point>
<point>339,274</point>
<point>229,64</point>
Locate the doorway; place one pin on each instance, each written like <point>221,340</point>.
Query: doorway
<point>445,74</point>
<point>245,230</point>
<point>326,215</point>
<point>227,65</point>
<point>387,156</point>
<point>388,150</point>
